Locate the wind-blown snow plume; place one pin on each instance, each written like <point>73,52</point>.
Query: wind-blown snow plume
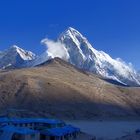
<point>56,49</point>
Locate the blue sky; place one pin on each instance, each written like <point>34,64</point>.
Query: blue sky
<point>110,25</point>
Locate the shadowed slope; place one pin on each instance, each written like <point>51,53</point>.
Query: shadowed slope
<point>57,89</point>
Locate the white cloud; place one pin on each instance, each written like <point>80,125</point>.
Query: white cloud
<point>130,65</point>
<point>56,49</point>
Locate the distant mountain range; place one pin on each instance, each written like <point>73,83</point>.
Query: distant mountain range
<point>74,48</point>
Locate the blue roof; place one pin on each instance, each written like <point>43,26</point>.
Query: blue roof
<point>19,130</point>
<point>2,120</point>
<point>30,120</point>
<point>60,131</point>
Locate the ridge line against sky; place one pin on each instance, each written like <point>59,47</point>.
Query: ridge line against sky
<point>111,26</point>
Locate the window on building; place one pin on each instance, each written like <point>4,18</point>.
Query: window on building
<point>42,137</point>
<point>52,138</point>
<point>17,137</point>
<point>1,131</point>
<point>32,136</point>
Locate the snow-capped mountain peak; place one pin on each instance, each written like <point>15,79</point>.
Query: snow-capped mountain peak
<point>14,47</point>
<point>71,32</point>
<point>25,55</point>
<point>15,57</point>
<point>83,55</point>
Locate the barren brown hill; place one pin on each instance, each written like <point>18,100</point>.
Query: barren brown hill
<point>57,89</point>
